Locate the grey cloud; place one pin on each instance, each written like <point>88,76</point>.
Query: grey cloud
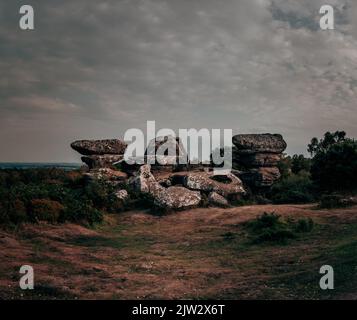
<point>95,68</point>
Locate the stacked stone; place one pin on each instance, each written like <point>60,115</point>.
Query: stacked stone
<point>257,156</point>
<point>100,153</point>
<point>99,156</point>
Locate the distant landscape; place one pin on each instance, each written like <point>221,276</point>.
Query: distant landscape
<point>108,229</point>
<point>34,165</point>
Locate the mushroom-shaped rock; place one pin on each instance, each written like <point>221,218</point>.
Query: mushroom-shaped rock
<point>99,147</point>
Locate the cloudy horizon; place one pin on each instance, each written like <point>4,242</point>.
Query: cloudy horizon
<point>93,69</point>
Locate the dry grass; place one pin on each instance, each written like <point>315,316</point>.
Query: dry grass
<point>194,254</point>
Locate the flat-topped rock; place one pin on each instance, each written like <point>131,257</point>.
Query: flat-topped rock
<point>259,143</point>
<point>99,147</point>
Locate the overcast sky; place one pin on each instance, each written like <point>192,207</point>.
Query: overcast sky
<point>92,69</point>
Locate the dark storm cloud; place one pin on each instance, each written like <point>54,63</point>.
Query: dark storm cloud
<point>95,68</point>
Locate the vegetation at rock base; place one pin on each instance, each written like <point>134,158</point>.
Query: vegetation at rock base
<point>53,195</point>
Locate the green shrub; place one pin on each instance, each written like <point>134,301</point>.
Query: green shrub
<point>335,168</point>
<point>294,188</point>
<point>46,210</point>
<point>304,225</point>
<point>77,211</point>
<point>13,211</point>
<point>331,201</point>
<point>269,227</point>
<point>53,195</point>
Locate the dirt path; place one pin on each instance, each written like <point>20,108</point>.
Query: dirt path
<point>194,254</point>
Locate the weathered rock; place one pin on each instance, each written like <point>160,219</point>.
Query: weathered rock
<point>165,183</point>
<point>259,143</point>
<point>110,176</point>
<point>101,161</point>
<point>168,198</point>
<point>162,145</point>
<point>165,151</point>
<point>177,198</point>
<point>251,160</point>
<point>261,177</point>
<point>122,195</point>
<point>145,182</point>
<point>224,184</point>
<point>99,147</point>
<point>217,200</point>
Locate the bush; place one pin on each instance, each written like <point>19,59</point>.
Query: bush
<point>46,210</point>
<point>53,195</point>
<point>304,225</point>
<point>335,169</point>
<point>77,211</point>
<point>13,212</point>
<point>295,188</point>
<point>333,201</point>
<point>269,227</point>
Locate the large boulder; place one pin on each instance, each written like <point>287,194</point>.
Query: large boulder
<point>227,185</point>
<point>177,198</point>
<point>259,143</point>
<point>101,161</point>
<point>99,147</point>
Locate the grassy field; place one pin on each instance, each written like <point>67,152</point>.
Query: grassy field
<point>205,253</point>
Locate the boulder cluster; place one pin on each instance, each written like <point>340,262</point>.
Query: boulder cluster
<point>171,185</point>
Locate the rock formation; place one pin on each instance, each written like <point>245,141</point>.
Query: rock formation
<point>257,156</point>
<point>100,153</point>
<point>171,185</point>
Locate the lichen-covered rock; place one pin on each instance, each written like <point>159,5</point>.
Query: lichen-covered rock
<point>101,161</point>
<point>177,198</point>
<point>99,147</point>
<point>166,151</point>
<point>261,177</point>
<point>113,177</point>
<point>168,198</point>
<point>250,160</point>
<point>259,143</point>
<point>122,195</point>
<point>145,182</point>
<point>224,184</point>
<point>216,199</point>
